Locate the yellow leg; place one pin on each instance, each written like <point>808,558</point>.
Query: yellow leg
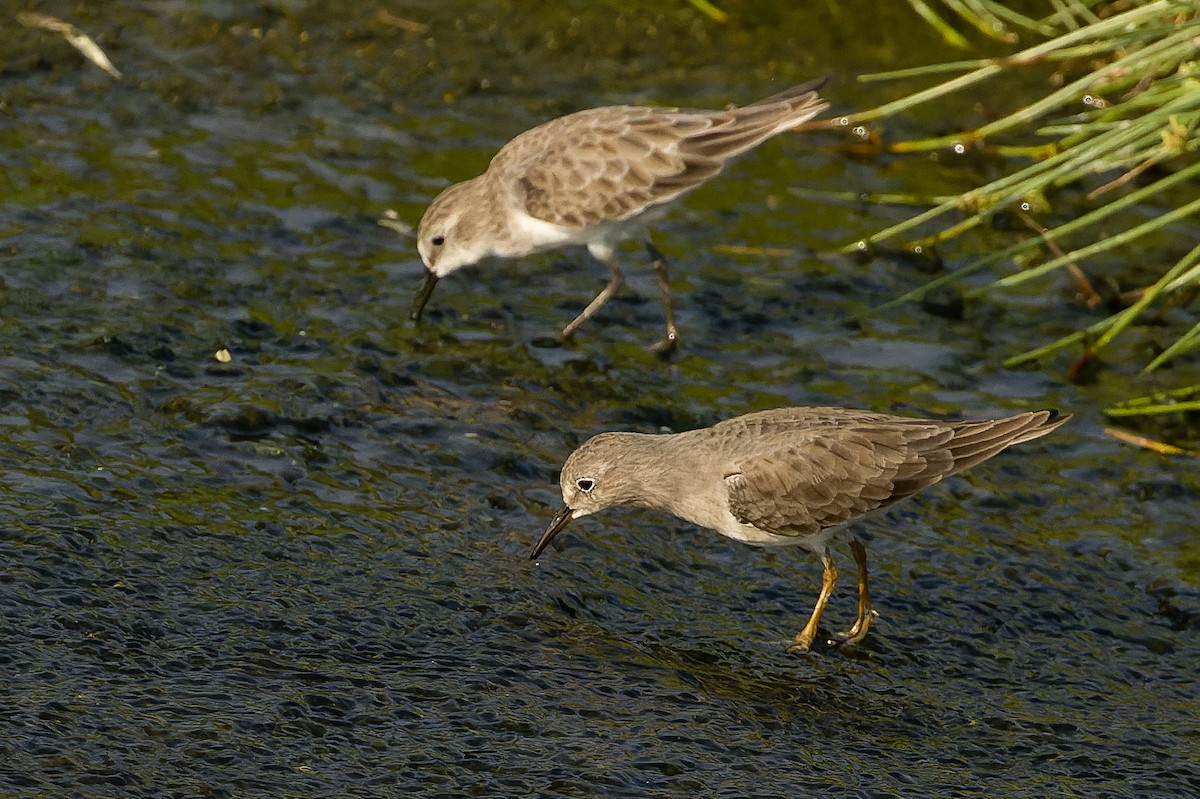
<point>866,613</point>
<point>805,637</point>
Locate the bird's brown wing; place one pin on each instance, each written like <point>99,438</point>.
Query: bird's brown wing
<point>611,164</point>
<point>607,164</point>
<point>820,480</point>
<point>832,465</point>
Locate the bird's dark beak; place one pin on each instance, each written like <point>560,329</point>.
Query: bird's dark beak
<point>561,520</point>
<point>423,293</point>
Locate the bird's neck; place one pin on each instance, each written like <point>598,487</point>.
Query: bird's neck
<point>662,478</point>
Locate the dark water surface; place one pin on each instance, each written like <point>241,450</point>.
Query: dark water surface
<point>304,572</point>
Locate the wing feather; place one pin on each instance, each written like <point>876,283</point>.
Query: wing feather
<point>612,164</point>
<point>827,479</point>
<point>831,465</point>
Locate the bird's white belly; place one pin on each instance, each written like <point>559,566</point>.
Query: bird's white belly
<point>749,534</point>
<point>530,235</point>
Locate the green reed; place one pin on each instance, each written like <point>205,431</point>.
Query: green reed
<point>1133,70</point>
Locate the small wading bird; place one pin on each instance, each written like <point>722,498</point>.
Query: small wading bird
<point>790,476</point>
<point>594,178</point>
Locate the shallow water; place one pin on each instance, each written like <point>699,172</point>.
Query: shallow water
<point>304,571</point>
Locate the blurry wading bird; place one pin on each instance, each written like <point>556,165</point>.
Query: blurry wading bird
<point>790,476</point>
<point>595,178</point>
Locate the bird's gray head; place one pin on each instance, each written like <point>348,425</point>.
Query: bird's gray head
<point>448,236</point>
<point>595,477</point>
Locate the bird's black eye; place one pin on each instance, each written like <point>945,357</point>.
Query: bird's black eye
<point>585,484</point>
<point>438,241</point>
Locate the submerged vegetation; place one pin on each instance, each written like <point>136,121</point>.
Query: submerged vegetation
<point>1124,114</point>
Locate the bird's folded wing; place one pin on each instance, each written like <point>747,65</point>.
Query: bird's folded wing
<point>617,163</point>
<point>819,481</point>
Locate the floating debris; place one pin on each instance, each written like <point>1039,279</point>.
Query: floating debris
<point>78,39</point>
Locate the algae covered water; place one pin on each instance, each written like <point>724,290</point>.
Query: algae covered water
<point>263,536</point>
